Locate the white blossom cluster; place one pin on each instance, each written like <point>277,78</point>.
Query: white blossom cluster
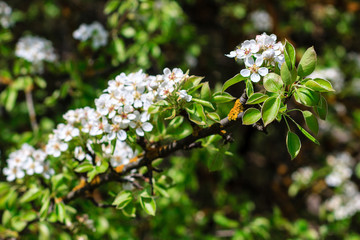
<point>27,161</point>
<point>5,15</point>
<point>341,164</point>
<point>346,201</point>
<point>125,102</point>
<point>94,31</point>
<point>122,108</point>
<point>333,74</point>
<point>303,175</point>
<point>259,55</point>
<point>261,20</point>
<point>35,50</point>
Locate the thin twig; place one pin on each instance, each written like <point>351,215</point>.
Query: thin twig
<point>31,109</point>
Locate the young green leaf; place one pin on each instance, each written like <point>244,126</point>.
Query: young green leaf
<point>311,121</point>
<point>216,161</point>
<point>293,144</point>
<point>122,199</point>
<point>322,108</point>
<point>249,88</point>
<point>273,82</point>
<point>288,76</point>
<point>222,97</point>
<point>204,103</point>
<point>307,63</point>
<point>191,82</point>
<point>84,167</point>
<point>196,114</point>
<point>148,203</point>
<point>237,78</point>
<point>307,97</point>
<point>270,109</point>
<point>30,195</point>
<point>205,92</point>
<point>290,55</point>
<point>308,135</point>
<point>257,98</point>
<point>251,116</point>
<point>319,85</point>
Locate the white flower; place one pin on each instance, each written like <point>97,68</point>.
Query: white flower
<point>32,167</point>
<point>55,147</point>
<point>183,94</point>
<point>94,31</point>
<point>139,123</point>
<point>254,69</point>
<point>261,20</point>
<point>13,172</point>
<point>5,15</point>
<point>176,75</point>
<point>35,50</point>
<point>248,48</point>
<point>79,153</point>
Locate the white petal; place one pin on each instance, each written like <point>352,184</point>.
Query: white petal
<point>245,72</point>
<point>231,54</point>
<point>147,126</point>
<point>139,132</point>
<point>259,61</point>
<point>255,77</point>
<point>263,71</point>
<point>121,135</point>
<point>249,61</point>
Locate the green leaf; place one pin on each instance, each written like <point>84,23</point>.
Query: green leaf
<point>157,106</point>
<point>40,82</point>
<point>213,116</point>
<point>129,210</point>
<point>111,6</point>
<point>322,108</point>
<point>307,63</point>
<point>251,116</point>
<point>308,135</point>
<point>60,211</point>
<point>222,97</point>
<point>249,88</point>
<point>30,195</point>
<point>273,82</point>
<point>216,161</point>
<point>103,167</point>
<point>237,78</point>
<point>45,207</point>
<point>293,144</point>
<point>311,121</point>
<point>257,98</point>
<point>270,109</point>
<point>191,82</point>
<point>148,203</point>
<point>205,92</point>
<point>122,199</point>
<point>196,114</point>
<point>84,167</point>
<point>319,85</point>
<point>288,76</point>
<point>306,96</point>
<point>204,103</point>
<point>290,55</point>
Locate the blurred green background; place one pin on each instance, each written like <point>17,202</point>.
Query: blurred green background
<point>256,195</point>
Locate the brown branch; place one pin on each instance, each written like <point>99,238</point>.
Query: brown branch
<point>151,154</point>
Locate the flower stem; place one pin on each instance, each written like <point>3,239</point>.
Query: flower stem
<point>31,109</point>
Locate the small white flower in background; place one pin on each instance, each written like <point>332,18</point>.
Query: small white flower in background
<point>25,161</point>
<point>55,146</point>
<point>302,175</point>
<point>175,75</point>
<point>94,31</point>
<point>35,50</point>
<point>79,153</point>
<point>254,69</point>
<point>261,20</point>
<point>5,15</point>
